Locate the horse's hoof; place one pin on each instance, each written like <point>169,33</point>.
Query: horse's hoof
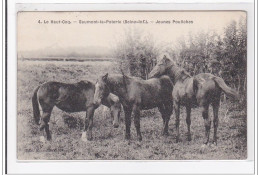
<point>90,138</point>
<point>177,140</point>
<point>215,143</point>
<point>202,148</point>
<point>205,142</point>
<point>139,139</point>
<point>165,134</point>
<point>49,138</point>
<point>42,127</point>
<point>42,139</point>
<point>84,137</point>
<point>203,145</point>
<point>127,137</point>
<point>189,138</point>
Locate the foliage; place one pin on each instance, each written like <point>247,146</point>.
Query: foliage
<point>222,55</point>
<point>136,53</point>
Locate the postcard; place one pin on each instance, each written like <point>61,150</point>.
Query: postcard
<point>132,85</point>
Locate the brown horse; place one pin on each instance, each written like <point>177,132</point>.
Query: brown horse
<point>135,95</point>
<point>201,90</point>
<point>71,98</point>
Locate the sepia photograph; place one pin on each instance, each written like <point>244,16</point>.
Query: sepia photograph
<point>132,85</point>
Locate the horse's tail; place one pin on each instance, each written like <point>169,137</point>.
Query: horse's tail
<point>228,91</point>
<point>35,105</point>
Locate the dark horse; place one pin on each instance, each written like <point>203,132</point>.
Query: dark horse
<point>71,98</point>
<point>135,95</point>
<point>200,90</point>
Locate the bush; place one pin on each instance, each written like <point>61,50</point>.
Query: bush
<point>136,53</point>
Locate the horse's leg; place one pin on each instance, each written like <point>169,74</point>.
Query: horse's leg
<point>177,120</point>
<point>207,122</point>
<point>188,121</point>
<point>128,112</point>
<point>47,106</point>
<point>166,124</point>
<point>162,111</point>
<point>45,118</point>
<point>45,123</point>
<point>136,114</point>
<point>215,120</point>
<point>167,115</point>
<point>88,124</point>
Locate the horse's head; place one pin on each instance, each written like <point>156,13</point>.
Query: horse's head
<point>161,67</point>
<point>115,110</point>
<point>101,89</point>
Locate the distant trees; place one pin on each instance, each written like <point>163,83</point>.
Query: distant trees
<point>136,53</point>
<point>235,54</point>
<point>222,55</point>
<point>68,52</point>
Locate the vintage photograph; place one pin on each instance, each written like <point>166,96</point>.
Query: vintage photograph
<point>143,85</point>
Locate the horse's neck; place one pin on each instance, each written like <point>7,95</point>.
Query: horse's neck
<point>117,87</point>
<point>177,74</point>
<point>106,102</point>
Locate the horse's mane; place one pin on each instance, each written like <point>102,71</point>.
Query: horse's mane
<point>178,72</point>
<point>181,74</point>
<point>124,79</point>
<point>84,84</point>
<point>117,79</point>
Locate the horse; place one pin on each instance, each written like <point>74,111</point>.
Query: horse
<point>75,97</point>
<point>136,94</point>
<point>200,90</point>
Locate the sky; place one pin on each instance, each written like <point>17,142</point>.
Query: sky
<point>35,30</point>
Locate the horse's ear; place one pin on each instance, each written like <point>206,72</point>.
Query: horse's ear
<point>166,60</point>
<point>104,78</point>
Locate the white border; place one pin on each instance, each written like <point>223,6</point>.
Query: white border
<point>128,167</point>
<point>2,95</point>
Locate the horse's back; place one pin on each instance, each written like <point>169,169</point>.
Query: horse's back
<point>205,82</point>
<point>49,90</point>
<point>152,92</point>
<point>207,90</point>
<point>163,81</point>
<point>52,88</point>
<point>68,97</point>
<point>204,76</point>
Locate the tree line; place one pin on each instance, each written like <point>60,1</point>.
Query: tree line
<point>224,55</point>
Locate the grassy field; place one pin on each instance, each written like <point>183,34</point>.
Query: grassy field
<point>108,142</point>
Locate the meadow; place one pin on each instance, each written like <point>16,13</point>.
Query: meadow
<point>108,142</point>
